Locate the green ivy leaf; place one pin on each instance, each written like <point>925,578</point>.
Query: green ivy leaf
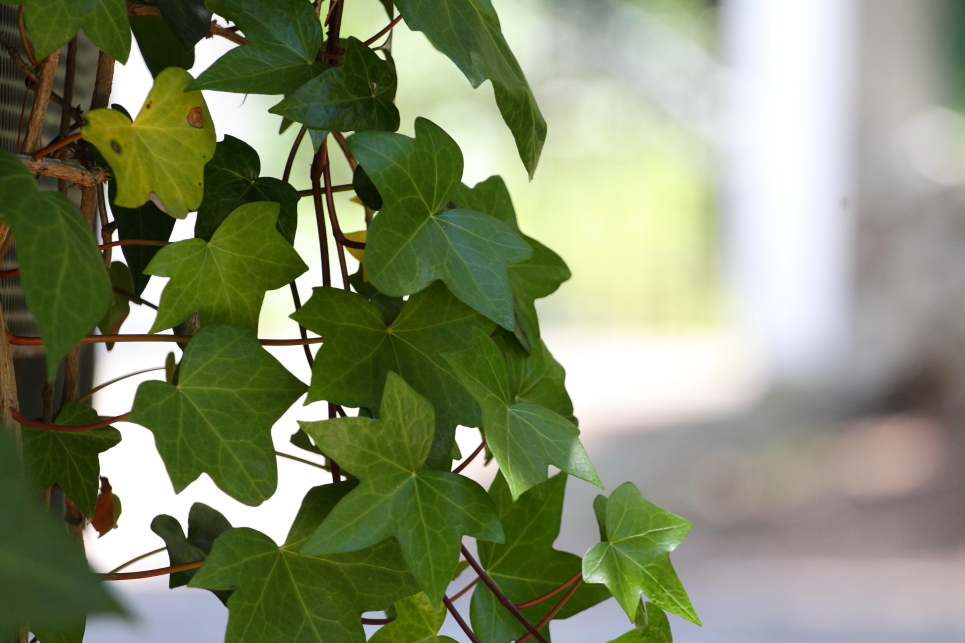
<point>218,418</point>
<point>365,190</point>
<point>536,377</point>
<point>427,511</point>
<point>204,525</point>
<point>61,271</point>
<point>360,350</point>
<point>189,20</point>
<point>652,626</point>
<point>284,597</point>
<point>524,437</point>
<point>231,179</point>
<point>159,46</point>
<point>390,307</point>
<point>41,566</point>
<point>412,243</point>
<point>527,566</point>
<point>226,278</point>
<point>161,154</point>
<point>539,276</point>
<point>354,97</point>
<point>120,306</point>
<point>635,557</point>
<point>69,459</point>
<point>283,38</point>
<point>52,23</point>
<point>467,31</point>
<point>416,618</point>
<point>143,222</point>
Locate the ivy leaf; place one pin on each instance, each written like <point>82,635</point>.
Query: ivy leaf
<point>411,243</point>
<point>52,23</point>
<point>539,276</point>
<point>416,618</point>
<point>41,566</point>
<point>120,306</point>
<point>232,179</point>
<point>283,38</point>
<point>524,437</point>
<point>159,46</point>
<point>143,222</point>
<point>635,557</point>
<point>360,350</point>
<point>226,278</point>
<point>467,31</point>
<point>527,566</point>
<point>161,154</point>
<point>69,459</point>
<point>365,190</point>
<point>390,307</point>
<point>427,511</point>
<point>204,525</point>
<point>354,97</point>
<point>218,418</point>
<point>536,377</point>
<point>189,20</point>
<point>284,597</point>
<point>61,271</point>
<point>652,626</point>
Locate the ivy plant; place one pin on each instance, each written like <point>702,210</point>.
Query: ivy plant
<point>437,329</point>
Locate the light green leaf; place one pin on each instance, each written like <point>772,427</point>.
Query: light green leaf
<point>232,179</point>
<point>536,377</point>
<point>525,438</point>
<point>40,565</point>
<point>61,271</point>
<point>120,307</point>
<point>284,597</point>
<point>467,31</point>
<point>218,418</point>
<point>360,350</point>
<point>412,242</point>
<point>283,38</point>
<point>539,276</point>
<point>652,627</point>
<point>427,511</point>
<point>527,566</point>
<point>226,279</point>
<point>69,459</point>
<point>353,97</point>
<point>161,154</point>
<point>635,557</point>
<point>204,525</point>
<point>416,618</point>
<point>599,510</point>
<point>52,23</point>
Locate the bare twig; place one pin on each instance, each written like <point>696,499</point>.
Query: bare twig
<point>84,177</point>
<point>116,379</point>
<point>472,456</point>
<point>554,611</point>
<point>60,428</point>
<point>460,620</point>
<point>153,572</point>
<point>41,100</point>
<point>386,30</point>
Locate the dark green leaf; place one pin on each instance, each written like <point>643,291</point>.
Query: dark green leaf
<point>120,307</point>
<point>283,38</point>
<point>427,511</point>
<point>365,190</point>
<point>204,525</point>
<point>232,179</point>
<point>360,350</point>
<point>537,277</point>
<point>599,510</point>
<point>416,618</point>
<point>61,271</point>
<point>284,597</point>
<point>412,243</point>
<point>353,97</point>
<point>635,557</point>
<point>525,438</point>
<point>389,306</point>
<point>468,32</point>
<point>69,459</point>
<point>159,46</point>
<point>52,23</point>
<point>144,222</point>
<point>41,566</point>
<point>218,419</point>
<point>301,440</point>
<point>226,279</point>
<point>652,627</point>
<point>536,377</point>
<point>190,20</point>
<point>527,566</point>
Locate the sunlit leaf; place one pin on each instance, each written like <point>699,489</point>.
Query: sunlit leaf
<point>652,626</point>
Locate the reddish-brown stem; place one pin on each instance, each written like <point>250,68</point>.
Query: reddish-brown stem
<point>133,242</point>
<point>297,301</point>
<point>37,424</point>
<point>9,273</point>
<point>333,218</point>
<point>556,591</point>
<point>22,27</point>
<point>459,619</point>
<point>316,174</point>
<point>291,155</point>
<point>465,589</point>
<point>377,621</point>
<point>56,145</point>
<point>554,611</point>
<point>502,598</point>
<point>472,456</point>
<point>150,573</point>
<point>346,187</point>
<point>20,340</point>
<point>348,153</point>
<point>386,30</point>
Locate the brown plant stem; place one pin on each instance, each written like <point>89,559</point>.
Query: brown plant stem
<point>345,187</point>
<point>41,100</point>
<point>472,456</point>
<point>70,73</point>
<point>84,177</point>
<point>103,81</point>
<point>316,173</point>
<point>291,158</point>
<point>340,139</point>
<point>465,589</point>
<point>554,611</point>
<point>20,340</point>
<point>333,218</point>
<point>91,392</point>
<point>302,460</point>
<point>56,145</point>
<point>22,28</point>
<point>142,9</point>
<point>133,242</point>
<point>59,428</point>
<point>297,301</point>
<point>460,620</point>
<point>384,31</point>
<point>163,571</point>
<point>556,591</point>
<point>136,559</point>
